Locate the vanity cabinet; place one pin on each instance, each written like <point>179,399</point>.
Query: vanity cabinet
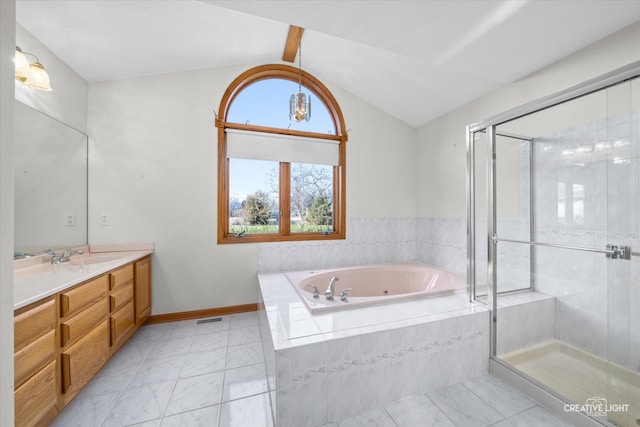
<point>35,392</point>
<point>62,341</point>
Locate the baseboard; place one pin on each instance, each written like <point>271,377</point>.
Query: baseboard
<point>199,314</point>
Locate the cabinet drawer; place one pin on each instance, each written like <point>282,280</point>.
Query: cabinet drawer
<point>76,326</point>
<point>84,358</point>
<point>120,296</point>
<point>33,323</point>
<point>121,322</point>
<point>83,296</point>
<point>36,397</point>
<point>121,276</point>
<point>31,358</point>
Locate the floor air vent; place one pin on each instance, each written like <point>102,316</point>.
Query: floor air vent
<point>213,319</point>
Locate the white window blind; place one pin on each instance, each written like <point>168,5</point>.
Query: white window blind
<point>282,148</point>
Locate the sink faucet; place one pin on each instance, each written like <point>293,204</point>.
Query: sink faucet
<point>63,256</point>
<point>329,292</point>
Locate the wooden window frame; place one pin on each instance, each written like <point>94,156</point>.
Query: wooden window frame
<point>281,71</point>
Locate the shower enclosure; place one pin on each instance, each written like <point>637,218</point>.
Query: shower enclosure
<point>554,245</point>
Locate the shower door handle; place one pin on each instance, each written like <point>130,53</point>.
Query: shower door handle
<point>620,252</point>
<point>611,251</point>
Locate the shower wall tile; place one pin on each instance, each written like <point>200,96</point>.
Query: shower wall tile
<point>524,323</point>
<point>598,163</point>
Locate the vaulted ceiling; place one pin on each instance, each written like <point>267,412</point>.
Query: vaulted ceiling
<point>416,60</point>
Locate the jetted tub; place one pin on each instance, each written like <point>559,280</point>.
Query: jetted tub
<point>376,284</point>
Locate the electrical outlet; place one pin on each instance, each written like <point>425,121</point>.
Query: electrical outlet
<point>70,220</point>
<point>104,219</point>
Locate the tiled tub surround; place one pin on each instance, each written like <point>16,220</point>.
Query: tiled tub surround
<point>329,366</point>
<point>441,242</point>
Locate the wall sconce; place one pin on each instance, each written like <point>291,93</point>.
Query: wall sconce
<point>32,74</point>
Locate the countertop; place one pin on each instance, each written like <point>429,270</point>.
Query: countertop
<point>39,279</point>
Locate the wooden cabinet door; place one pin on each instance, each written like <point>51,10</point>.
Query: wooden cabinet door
<point>142,295</point>
<point>33,323</point>
<point>36,397</point>
<point>121,323</point>
<point>33,357</point>
<point>83,359</point>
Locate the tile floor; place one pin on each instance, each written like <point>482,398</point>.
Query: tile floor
<point>213,374</point>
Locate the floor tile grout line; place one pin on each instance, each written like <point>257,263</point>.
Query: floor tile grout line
<point>384,409</point>
<point>224,374</point>
<point>438,406</point>
<point>126,387</point>
<point>440,409</point>
<point>175,382</point>
<point>483,401</point>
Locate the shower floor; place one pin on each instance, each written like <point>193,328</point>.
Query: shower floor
<point>578,376</point>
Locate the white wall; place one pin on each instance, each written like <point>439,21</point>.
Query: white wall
<point>441,146</point>
<point>153,170</point>
<point>7,51</point>
<point>68,100</point>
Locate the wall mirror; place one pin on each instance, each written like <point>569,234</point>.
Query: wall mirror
<point>50,183</point>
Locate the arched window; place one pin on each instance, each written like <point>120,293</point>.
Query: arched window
<point>279,180</point>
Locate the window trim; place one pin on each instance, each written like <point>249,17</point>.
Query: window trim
<point>281,71</point>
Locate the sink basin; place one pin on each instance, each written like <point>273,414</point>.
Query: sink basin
<point>91,259</point>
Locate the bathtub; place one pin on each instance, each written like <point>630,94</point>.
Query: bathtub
<point>376,284</point>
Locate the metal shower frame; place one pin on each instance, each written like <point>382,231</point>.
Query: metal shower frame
<point>489,126</point>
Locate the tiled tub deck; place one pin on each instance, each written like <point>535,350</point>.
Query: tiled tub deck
<point>325,367</point>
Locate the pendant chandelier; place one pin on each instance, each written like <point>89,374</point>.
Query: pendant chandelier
<point>300,103</point>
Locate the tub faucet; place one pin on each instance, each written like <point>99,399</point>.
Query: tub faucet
<point>329,292</point>
<point>316,292</point>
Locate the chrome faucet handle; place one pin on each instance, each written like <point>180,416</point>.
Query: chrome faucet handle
<point>55,258</point>
<point>316,292</point>
<point>329,292</point>
<point>343,295</point>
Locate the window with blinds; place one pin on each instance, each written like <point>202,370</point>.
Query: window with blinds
<point>279,180</point>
